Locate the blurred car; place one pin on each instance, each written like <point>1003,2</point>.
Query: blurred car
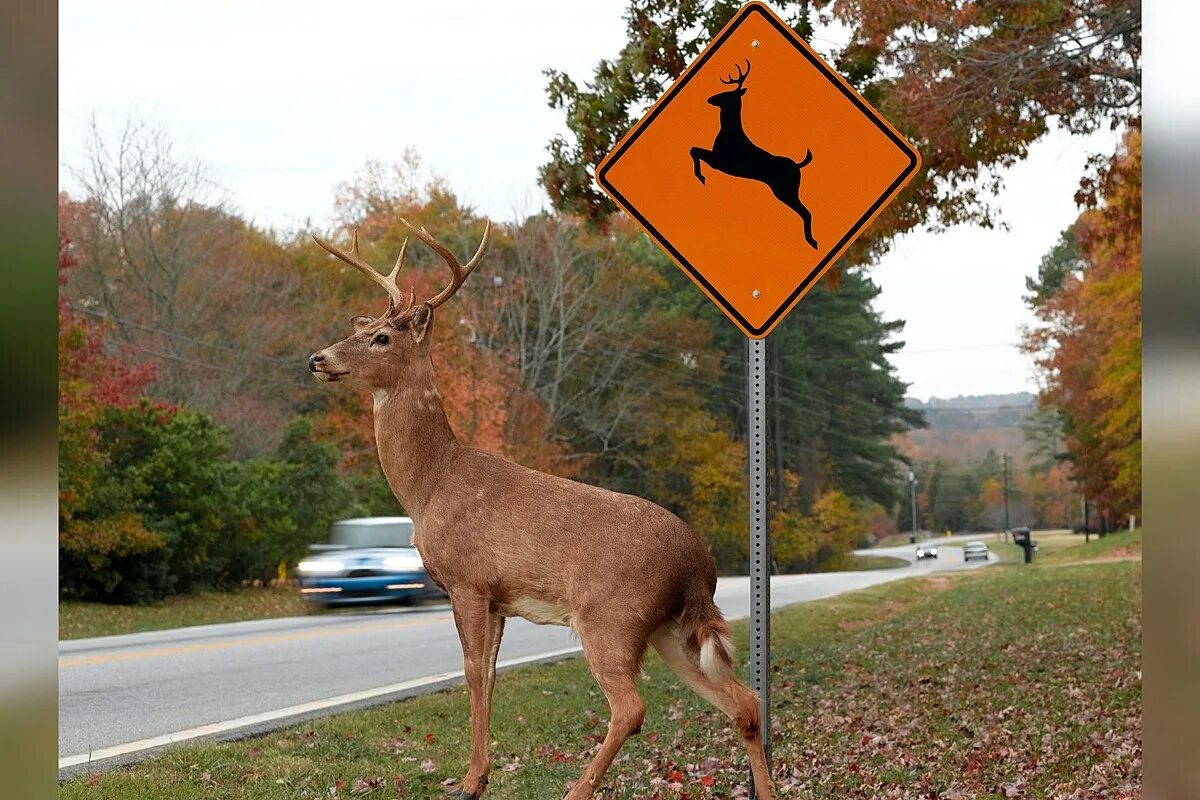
<point>367,560</point>
<point>975,550</point>
<point>926,550</point>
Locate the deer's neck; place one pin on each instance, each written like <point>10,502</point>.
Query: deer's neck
<point>731,121</point>
<point>415,441</point>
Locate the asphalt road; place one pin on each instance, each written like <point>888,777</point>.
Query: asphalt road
<point>122,697</point>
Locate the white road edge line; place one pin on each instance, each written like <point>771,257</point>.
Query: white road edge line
<point>282,713</point>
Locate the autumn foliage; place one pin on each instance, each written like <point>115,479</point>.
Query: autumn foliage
<point>190,422</point>
<point>1088,344</point>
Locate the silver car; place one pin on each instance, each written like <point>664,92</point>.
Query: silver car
<point>367,560</point>
<point>975,550</point>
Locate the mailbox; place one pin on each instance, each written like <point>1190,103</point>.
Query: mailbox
<point>1021,536</point>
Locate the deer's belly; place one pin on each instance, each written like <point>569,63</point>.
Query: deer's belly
<point>539,612</point>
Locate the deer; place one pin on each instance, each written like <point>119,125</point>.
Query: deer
<point>503,540</point>
<point>735,154</point>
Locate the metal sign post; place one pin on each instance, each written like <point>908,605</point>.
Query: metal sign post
<point>760,543</point>
<point>796,185</point>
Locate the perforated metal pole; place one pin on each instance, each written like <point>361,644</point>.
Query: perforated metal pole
<point>760,545</point>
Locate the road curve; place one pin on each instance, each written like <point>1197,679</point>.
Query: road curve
<point>123,697</point>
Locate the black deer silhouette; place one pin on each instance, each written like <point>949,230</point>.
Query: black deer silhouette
<point>734,154</point>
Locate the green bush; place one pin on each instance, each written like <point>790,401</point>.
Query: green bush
<point>165,509</point>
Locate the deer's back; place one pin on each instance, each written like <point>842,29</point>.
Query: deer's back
<point>533,537</point>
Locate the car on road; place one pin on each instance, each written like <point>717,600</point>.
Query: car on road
<point>975,550</point>
<point>367,560</point>
<point>926,550</point>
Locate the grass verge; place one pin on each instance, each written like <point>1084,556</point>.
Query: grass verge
<point>1004,682</point>
<point>1060,548</point>
<point>854,562</point>
<point>78,620</point>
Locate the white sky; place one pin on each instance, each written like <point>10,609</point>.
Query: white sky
<point>284,100</point>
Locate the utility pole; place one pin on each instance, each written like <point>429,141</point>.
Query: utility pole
<point>1006,523</point>
<point>1087,534</point>
<point>912,483</point>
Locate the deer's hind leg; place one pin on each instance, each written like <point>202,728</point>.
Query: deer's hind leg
<point>480,628</point>
<point>729,694</point>
<point>615,658</point>
<point>789,195</point>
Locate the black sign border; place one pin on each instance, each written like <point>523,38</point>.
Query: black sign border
<point>872,114</point>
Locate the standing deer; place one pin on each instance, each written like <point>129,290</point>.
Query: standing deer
<point>734,154</point>
<point>507,541</point>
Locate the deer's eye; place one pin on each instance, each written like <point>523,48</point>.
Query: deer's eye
<point>382,339</point>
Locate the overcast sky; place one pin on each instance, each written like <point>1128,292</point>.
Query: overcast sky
<point>284,100</point>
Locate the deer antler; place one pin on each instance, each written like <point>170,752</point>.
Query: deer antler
<point>458,271</point>
<point>397,303</point>
<point>741,77</point>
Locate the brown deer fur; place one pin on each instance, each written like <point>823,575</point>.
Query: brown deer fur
<point>504,541</point>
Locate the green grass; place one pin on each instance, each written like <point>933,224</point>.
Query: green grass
<point>1115,545</point>
<point>1008,681</point>
<point>1062,547</point>
<point>78,620</point>
<point>853,562</point>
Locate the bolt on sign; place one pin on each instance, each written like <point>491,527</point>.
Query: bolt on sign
<point>757,168</point>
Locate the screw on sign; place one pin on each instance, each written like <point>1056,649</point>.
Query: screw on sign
<point>755,171</point>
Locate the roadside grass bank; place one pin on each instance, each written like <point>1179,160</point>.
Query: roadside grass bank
<point>1060,548</point>
<point>855,562</point>
<point>1009,681</point>
<point>78,620</point>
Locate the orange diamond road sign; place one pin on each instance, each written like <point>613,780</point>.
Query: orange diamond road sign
<point>757,169</point>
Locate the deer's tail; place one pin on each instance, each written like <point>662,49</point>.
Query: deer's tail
<point>804,163</point>
<point>707,630</point>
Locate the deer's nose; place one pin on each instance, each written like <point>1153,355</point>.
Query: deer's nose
<point>313,360</point>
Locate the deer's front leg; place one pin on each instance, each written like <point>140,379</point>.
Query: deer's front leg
<point>699,154</point>
<point>480,627</point>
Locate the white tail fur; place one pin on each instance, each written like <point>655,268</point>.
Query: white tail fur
<point>716,657</point>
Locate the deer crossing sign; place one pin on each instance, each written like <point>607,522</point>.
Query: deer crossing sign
<point>757,168</point>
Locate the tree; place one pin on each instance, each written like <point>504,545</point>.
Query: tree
<point>840,401</point>
<point>1056,266</point>
<point>186,283</point>
<point>101,542</point>
<point>822,537</point>
<point>1088,344</point>
<point>577,311</point>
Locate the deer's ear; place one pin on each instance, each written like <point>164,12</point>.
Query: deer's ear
<point>360,323</point>
<point>741,92</point>
<point>422,316</point>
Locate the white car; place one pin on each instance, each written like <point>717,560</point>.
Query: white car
<point>975,550</point>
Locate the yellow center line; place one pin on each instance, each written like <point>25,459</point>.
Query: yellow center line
<point>249,641</point>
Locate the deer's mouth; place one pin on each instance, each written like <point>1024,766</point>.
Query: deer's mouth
<point>328,376</point>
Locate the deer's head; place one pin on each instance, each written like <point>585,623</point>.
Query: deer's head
<point>732,98</point>
<point>384,350</point>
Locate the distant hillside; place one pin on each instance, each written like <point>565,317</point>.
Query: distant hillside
<point>963,429</point>
<point>977,401</point>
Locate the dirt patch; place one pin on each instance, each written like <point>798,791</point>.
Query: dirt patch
<point>1125,553</point>
<point>939,583</point>
<point>889,609</point>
